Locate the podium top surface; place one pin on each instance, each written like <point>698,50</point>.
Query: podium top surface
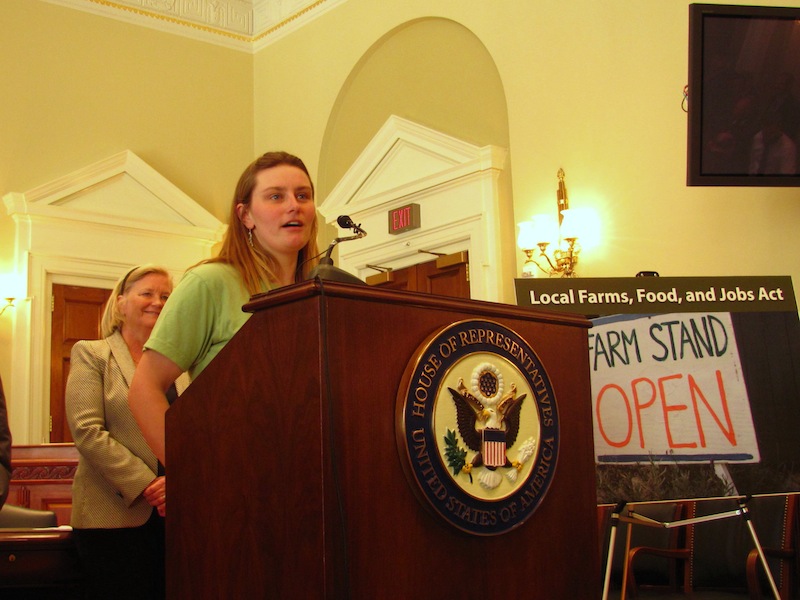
<point>320,288</point>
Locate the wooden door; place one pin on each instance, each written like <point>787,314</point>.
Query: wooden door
<point>447,275</point>
<point>76,315</point>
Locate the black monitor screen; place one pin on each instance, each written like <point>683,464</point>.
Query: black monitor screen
<point>744,95</point>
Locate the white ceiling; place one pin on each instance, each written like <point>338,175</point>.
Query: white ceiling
<point>241,24</point>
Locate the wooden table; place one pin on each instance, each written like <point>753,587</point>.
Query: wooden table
<point>40,560</point>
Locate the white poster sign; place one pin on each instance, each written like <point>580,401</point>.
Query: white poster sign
<point>669,387</point>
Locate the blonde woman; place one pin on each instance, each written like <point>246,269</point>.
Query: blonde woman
<point>118,495</point>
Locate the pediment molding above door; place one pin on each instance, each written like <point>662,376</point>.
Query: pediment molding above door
<point>462,204</point>
<point>121,190</point>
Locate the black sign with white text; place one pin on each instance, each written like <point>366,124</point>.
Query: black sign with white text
<point>694,381</point>
<point>644,295</point>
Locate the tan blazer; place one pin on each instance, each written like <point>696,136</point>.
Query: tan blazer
<point>115,463</point>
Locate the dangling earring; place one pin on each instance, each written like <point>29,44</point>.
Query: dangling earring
<point>250,237</point>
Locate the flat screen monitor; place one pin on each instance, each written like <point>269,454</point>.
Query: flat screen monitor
<point>743,95</point>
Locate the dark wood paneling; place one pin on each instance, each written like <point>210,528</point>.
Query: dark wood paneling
<point>42,477</point>
<point>286,480</point>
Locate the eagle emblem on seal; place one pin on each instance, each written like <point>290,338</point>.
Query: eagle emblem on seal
<point>488,419</point>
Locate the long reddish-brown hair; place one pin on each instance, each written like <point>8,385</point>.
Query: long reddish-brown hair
<point>256,265</point>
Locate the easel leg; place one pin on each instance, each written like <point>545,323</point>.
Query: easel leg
<point>746,517</point>
<point>625,566</point>
<point>612,537</point>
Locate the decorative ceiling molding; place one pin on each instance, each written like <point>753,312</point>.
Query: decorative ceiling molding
<point>246,25</point>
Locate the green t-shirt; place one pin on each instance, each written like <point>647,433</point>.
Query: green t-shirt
<point>201,315</point>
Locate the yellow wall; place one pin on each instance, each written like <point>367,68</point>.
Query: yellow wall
<point>78,88</point>
<point>459,92</point>
<point>593,87</point>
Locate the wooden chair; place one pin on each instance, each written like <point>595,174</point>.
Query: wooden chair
<point>20,517</point>
<point>774,518</point>
<point>652,572</point>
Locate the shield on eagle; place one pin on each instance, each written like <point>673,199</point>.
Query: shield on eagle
<point>494,447</point>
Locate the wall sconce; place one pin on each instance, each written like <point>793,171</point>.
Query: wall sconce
<point>545,229</point>
<point>9,284</point>
<point>9,304</point>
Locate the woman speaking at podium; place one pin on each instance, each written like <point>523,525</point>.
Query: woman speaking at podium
<point>270,242</point>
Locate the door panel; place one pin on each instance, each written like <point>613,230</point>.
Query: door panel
<point>444,276</point>
<point>451,280</point>
<point>76,315</point>
<point>402,279</point>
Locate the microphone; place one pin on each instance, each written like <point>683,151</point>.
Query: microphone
<point>345,222</point>
<point>325,269</point>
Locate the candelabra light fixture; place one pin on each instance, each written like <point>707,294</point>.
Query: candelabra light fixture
<point>537,235</point>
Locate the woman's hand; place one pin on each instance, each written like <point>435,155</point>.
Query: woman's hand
<point>156,494</point>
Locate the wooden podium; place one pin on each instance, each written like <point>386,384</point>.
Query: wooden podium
<point>285,479</point>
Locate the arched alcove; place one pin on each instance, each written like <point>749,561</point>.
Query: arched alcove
<point>431,85</point>
<point>431,71</point>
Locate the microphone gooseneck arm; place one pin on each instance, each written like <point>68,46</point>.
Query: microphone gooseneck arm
<point>344,222</point>
<point>325,269</point>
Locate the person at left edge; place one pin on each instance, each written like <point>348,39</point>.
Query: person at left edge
<point>118,495</point>
<point>5,448</point>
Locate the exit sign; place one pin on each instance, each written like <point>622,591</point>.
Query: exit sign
<point>404,218</point>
